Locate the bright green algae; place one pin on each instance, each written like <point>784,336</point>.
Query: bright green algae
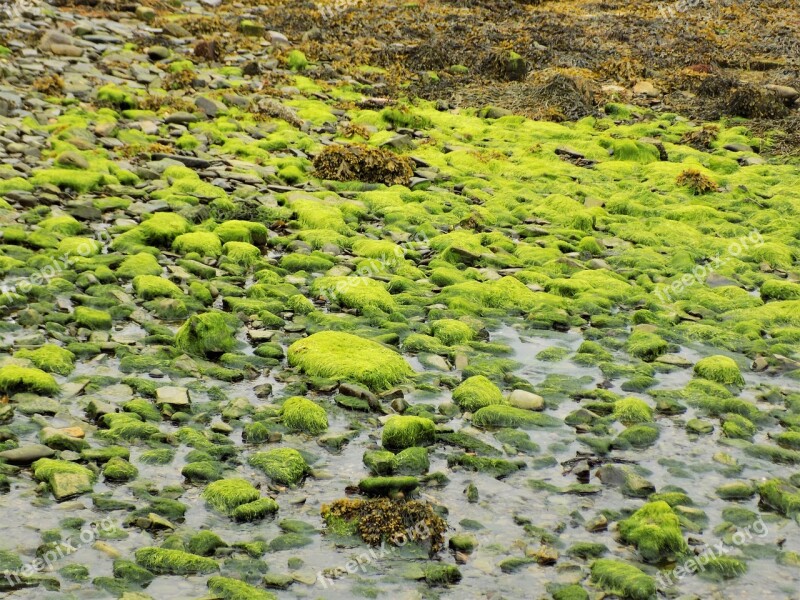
<point>354,284</point>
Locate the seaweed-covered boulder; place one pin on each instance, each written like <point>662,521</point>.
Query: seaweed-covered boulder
<point>655,531</point>
<point>50,358</point>
<point>174,562</point>
<point>476,392</point>
<point>225,495</point>
<point>622,579</point>
<point>207,334</point>
<point>348,357</point>
<point>720,369</point>
<point>66,479</point>
<point>301,414</point>
<point>283,465</point>
<point>401,432</point>
<point>14,378</point>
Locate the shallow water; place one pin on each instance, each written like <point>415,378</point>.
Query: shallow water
<point>502,502</point>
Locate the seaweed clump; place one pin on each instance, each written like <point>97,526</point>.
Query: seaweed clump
<point>697,182</point>
<point>358,162</point>
<point>384,520</point>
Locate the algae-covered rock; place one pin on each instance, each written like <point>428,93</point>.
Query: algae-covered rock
<point>476,392</point>
<point>781,496</point>
<point>655,531</point>
<point>388,486</point>
<point>337,355</point>
<point>283,465</point>
<point>50,358</point>
<point>142,263</point>
<point>119,469</point>
<point>204,243</point>
<point>509,416</point>
<point>401,432</point>
<point>92,318</point>
<point>174,562</point>
<point>225,495</point>
<point>207,334</point>
<point>65,479</point>
<point>227,588</point>
<point>623,579</point>
<point>632,410</point>
<point>720,369</point>
<point>301,414</point>
<point>14,379</point>
<point>252,511</point>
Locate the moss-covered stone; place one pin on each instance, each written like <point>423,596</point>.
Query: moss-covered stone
<point>50,358</point>
<point>204,243</point>
<point>285,466</point>
<point>148,287</point>
<point>630,411</point>
<point>655,531</point>
<point>119,469</point>
<point>509,416</point>
<point>781,496</point>
<point>142,263</point>
<point>207,334</point>
<point>92,318</point>
<point>233,589</point>
<point>14,379</point>
<point>720,369</point>
<point>174,562</point>
<point>623,579</point>
<point>301,414</point>
<point>252,511</point>
<point>205,543</point>
<point>388,486</point>
<point>401,432</point>
<point>476,392</point>
<point>344,356</point>
<point>225,495</point>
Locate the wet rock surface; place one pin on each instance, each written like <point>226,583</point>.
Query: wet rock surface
<point>285,286</point>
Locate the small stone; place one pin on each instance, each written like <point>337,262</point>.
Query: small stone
<point>784,92</point>
<point>25,455</point>
<point>278,39</point>
<point>172,395</point>
<point>68,485</point>
<point>598,523</point>
<point>158,52</point>
<point>145,13</point>
<point>66,50</point>
<point>646,88</point>
<point>526,400</point>
<point>181,118</point>
<point>70,158</point>
<point>210,107</point>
